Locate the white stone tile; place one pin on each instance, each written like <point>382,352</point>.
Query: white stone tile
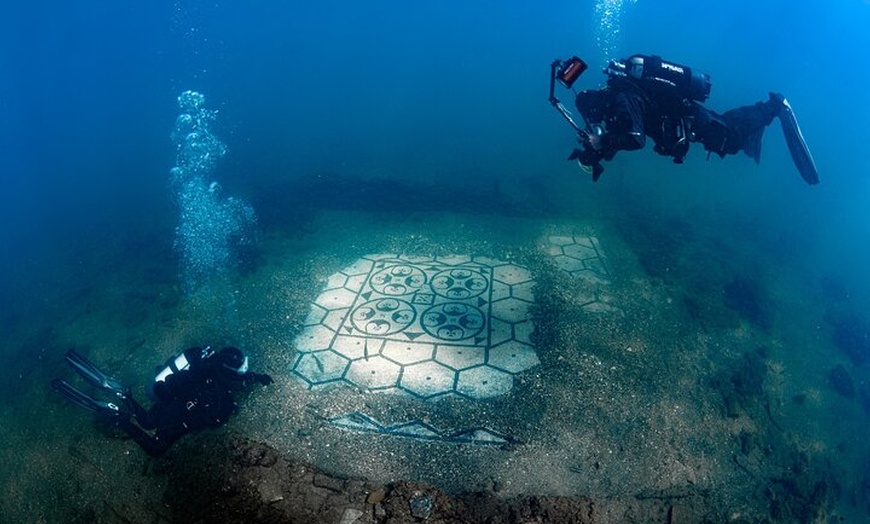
<point>511,274</point>
<point>428,379</point>
<point>483,382</point>
<point>524,291</point>
<point>373,373</point>
<point>315,315</point>
<point>580,252</point>
<point>460,357</point>
<point>314,338</point>
<point>561,240</point>
<point>320,366</point>
<point>511,310</point>
<point>513,357</point>
<point>336,280</point>
<point>336,298</point>
<point>335,318</point>
<point>523,331</point>
<point>408,352</point>
<point>354,347</point>
<point>359,267</point>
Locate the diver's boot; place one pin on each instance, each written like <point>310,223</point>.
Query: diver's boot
<point>776,103</point>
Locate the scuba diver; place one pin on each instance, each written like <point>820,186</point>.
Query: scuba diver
<point>194,390</point>
<point>647,96</point>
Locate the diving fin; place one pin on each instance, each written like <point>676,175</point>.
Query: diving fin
<point>90,372</point>
<point>81,399</point>
<point>797,146</point>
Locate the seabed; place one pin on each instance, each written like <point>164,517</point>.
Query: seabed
<point>459,350</point>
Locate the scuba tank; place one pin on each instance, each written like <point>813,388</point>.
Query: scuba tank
<point>157,389</point>
<point>182,362</point>
<point>662,77</point>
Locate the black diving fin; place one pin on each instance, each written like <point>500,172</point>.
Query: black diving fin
<point>90,372</point>
<point>797,146</point>
<point>81,399</point>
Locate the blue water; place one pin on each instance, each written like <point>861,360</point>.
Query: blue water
<point>448,93</point>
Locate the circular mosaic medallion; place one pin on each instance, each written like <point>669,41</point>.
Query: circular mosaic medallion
<point>459,284</point>
<point>453,321</point>
<point>398,280</point>
<point>384,316</point>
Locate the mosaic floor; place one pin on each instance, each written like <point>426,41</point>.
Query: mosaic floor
<point>582,258</point>
<point>428,327</point>
<point>578,255</point>
<point>435,327</point>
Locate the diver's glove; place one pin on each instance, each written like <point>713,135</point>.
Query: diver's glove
<point>264,379</point>
<point>592,138</point>
<point>590,160</point>
<point>585,156</point>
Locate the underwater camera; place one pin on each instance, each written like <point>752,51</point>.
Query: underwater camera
<point>566,72</point>
<point>570,70</point>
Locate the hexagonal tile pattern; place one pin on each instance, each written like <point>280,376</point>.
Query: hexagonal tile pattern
<point>582,258</point>
<point>578,255</point>
<point>451,325</point>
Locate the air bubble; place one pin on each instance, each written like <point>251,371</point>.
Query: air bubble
<point>608,14</point>
<point>211,228</point>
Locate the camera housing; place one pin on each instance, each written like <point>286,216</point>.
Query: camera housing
<point>570,70</point>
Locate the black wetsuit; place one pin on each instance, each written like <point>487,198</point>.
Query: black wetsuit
<point>200,396</point>
<point>629,111</point>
